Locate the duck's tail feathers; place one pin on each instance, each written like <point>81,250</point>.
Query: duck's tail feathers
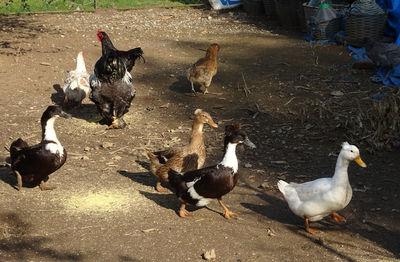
<point>282,185</point>
<point>16,146</point>
<point>289,193</point>
<point>154,163</point>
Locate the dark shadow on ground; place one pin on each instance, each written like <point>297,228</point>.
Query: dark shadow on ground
<point>143,164</point>
<point>168,201</point>
<point>388,239</point>
<point>87,112</point>
<point>7,176</point>
<point>123,258</point>
<point>320,242</point>
<point>16,242</point>
<point>182,85</point>
<point>144,178</point>
<point>274,208</point>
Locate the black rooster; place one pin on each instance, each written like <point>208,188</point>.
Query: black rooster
<point>112,85</point>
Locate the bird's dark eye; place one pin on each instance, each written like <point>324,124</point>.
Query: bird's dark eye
<point>351,151</point>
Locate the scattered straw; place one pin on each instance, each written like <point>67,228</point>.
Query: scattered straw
<point>104,201</point>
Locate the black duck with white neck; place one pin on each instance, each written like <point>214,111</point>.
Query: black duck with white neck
<point>198,187</point>
<point>33,164</point>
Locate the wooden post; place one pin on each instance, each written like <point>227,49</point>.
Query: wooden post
<point>95,4</point>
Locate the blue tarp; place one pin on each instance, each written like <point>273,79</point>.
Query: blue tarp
<point>392,30</point>
<point>393,22</point>
<point>393,79</point>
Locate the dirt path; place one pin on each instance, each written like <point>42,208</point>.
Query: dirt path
<point>105,207</point>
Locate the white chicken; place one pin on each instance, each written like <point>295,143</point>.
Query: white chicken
<point>76,84</point>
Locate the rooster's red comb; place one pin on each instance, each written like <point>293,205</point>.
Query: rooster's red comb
<point>99,34</point>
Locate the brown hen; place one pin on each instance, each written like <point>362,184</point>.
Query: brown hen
<point>204,69</point>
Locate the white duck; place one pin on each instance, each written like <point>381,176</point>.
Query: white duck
<point>76,84</point>
<point>319,198</point>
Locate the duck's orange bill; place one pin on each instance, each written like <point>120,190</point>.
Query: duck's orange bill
<point>211,123</point>
<point>360,162</point>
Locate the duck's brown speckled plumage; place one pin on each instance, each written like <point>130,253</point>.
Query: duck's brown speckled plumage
<point>184,158</point>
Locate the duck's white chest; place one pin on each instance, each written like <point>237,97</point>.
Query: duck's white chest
<point>55,148</point>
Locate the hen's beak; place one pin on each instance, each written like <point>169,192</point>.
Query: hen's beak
<point>360,162</point>
<point>213,124</point>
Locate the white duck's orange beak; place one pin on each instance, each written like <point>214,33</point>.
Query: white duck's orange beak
<point>360,162</point>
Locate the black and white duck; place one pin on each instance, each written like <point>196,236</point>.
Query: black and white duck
<point>33,164</point>
<point>198,187</point>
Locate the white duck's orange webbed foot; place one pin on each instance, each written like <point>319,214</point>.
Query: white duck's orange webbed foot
<point>308,229</point>
<point>337,217</point>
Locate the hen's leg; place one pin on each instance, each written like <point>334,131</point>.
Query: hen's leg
<point>206,87</point>
<point>194,91</point>
<point>115,121</point>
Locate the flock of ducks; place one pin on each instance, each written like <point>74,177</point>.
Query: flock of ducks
<point>180,167</point>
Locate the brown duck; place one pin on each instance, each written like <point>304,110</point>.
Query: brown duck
<point>183,158</point>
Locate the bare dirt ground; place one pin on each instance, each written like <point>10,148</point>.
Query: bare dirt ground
<point>105,207</point>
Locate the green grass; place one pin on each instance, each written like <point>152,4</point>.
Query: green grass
<point>7,6</point>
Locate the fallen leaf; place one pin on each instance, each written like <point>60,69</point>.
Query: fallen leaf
<point>209,255</point>
<point>337,93</point>
<point>107,145</point>
<point>148,230</point>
